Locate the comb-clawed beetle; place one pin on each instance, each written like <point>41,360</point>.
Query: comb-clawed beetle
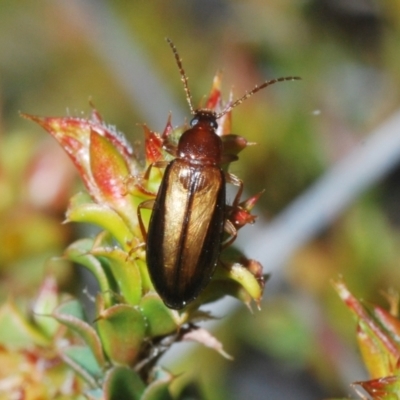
<point>185,231</point>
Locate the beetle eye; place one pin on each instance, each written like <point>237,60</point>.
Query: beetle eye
<point>194,122</point>
<point>214,124</point>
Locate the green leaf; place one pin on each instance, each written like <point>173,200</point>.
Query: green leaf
<point>82,360</point>
<point>72,308</point>
<point>244,277</point>
<point>122,329</point>
<point>125,272</point>
<point>94,394</point>
<point>102,216</point>
<point>79,252</point>
<point>71,315</point>
<point>158,388</point>
<point>16,332</point>
<point>123,383</point>
<point>44,305</point>
<point>160,319</point>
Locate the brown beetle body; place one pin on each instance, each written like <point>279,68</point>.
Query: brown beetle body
<point>187,223</point>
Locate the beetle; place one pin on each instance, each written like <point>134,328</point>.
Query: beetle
<point>185,233</point>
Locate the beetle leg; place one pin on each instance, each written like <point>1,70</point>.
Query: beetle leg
<point>146,175</point>
<point>147,204</point>
<point>157,164</point>
<point>133,250</point>
<point>170,149</point>
<point>234,180</point>
<point>232,232</point>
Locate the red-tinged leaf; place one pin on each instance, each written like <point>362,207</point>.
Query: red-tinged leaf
<point>122,330</point>
<point>387,388</point>
<point>108,167</point>
<point>214,98</point>
<point>389,322</point>
<point>117,139</point>
<point>370,325</point>
<point>249,204</point>
<point>255,267</point>
<point>205,338</point>
<point>240,217</point>
<point>168,129</point>
<point>153,145</point>
<point>74,135</point>
<point>376,360</point>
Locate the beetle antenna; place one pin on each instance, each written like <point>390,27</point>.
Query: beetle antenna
<point>184,78</point>
<point>256,88</point>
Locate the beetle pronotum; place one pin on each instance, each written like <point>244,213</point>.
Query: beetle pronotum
<point>184,238</point>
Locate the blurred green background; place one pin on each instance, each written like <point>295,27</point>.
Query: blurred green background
<point>56,55</point>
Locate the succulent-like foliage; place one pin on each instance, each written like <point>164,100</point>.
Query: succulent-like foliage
<point>115,355</point>
<point>378,333</point>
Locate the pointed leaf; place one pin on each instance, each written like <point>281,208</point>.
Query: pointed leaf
<point>147,285</point>
<point>153,145</point>
<point>122,330</point>
<point>71,308</point>
<point>387,388</point>
<point>158,388</point>
<point>94,394</point>
<point>369,324</point>
<point>376,360</point>
<point>389,322</point>
<point>242,275</point>
<point>73,134</point>
<point>16,332</point>
<point>205,338</point>
<point>71,315</point>
<point>101,216</point>
<point>233,144</point>
<point>161,320</point>
<point>79,252</point>
<point>81,359</point>
<point>44,305</point>
<point>108,168</point>
<point>125,272</point>
<point>123,383</point>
